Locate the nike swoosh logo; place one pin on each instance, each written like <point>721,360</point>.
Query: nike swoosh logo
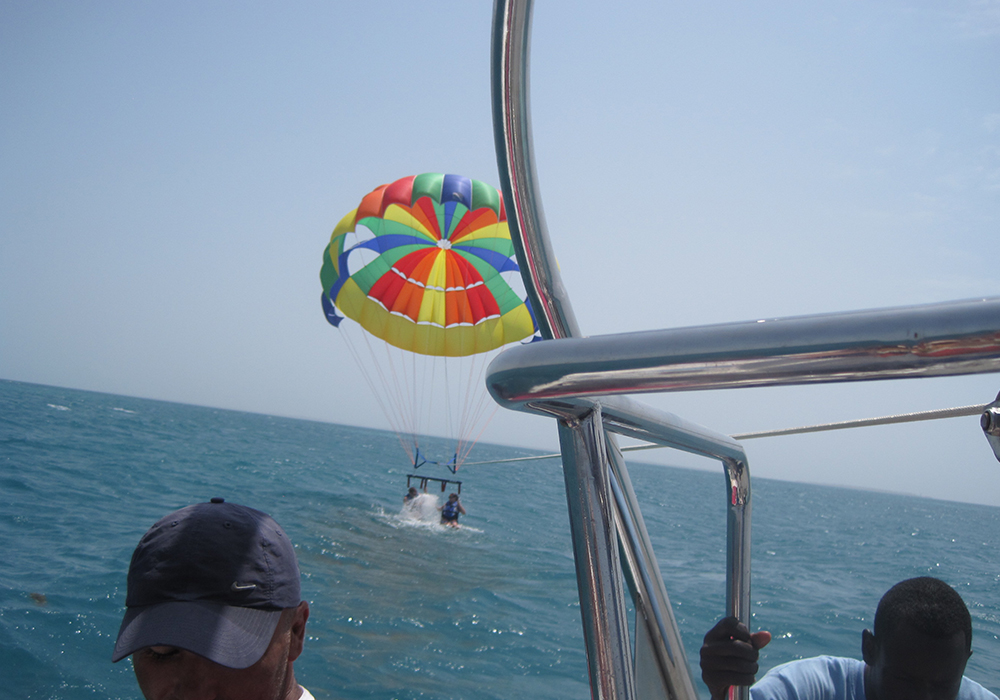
<point>243,586</point>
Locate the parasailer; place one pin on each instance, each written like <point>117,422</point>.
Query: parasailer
<point>424,268</point>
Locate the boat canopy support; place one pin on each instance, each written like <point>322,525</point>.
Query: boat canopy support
<point>606,524</point>
<point>580,382</point>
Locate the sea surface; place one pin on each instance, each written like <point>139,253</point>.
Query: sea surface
<point>405,609</point>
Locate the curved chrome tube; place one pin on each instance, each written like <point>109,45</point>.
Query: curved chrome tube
<point>562,378</point>
<point>600,516</point>
<point>932,340</point>
<point>661,668</point>
<point>516,164</point>
<point>595,551</point>
<point>738,543</point>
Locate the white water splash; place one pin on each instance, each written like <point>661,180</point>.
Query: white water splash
<point>421,512</point>
<point>423,508</point>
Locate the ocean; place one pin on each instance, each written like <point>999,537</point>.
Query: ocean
<point>402,609</point>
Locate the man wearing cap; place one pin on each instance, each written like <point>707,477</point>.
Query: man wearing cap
<point>214,607</point>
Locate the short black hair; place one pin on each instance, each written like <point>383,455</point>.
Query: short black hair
<point>928,604</point>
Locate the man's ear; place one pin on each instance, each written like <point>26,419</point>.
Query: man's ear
<point>869,647</point>
<point>298,631</point>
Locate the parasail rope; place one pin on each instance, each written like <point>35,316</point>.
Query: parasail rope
<point>392,413</point>
<point>864,422</point>
<point>841,425</point>
<point>478,408</point>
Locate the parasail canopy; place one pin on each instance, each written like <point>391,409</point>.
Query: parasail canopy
<point>429,279</point>
<point>426,265</point>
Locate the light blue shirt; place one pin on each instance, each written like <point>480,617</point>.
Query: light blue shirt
<point>832,678</point>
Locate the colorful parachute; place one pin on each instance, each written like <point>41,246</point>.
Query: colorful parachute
<point>426,265</point>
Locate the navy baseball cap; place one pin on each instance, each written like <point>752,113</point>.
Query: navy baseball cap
<point>213,579</point>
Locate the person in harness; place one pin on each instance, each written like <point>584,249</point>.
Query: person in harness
<point>450,511</point>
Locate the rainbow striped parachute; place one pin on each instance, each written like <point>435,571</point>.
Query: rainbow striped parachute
<point>432,282</point>
<point>425,268</point>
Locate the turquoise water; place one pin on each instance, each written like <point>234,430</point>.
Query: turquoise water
<point>401,610</point>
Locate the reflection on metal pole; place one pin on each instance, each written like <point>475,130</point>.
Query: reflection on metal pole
<point>595,549</point>
<point>738,550</point>
<point>930,340</point>
<point>516,165</point>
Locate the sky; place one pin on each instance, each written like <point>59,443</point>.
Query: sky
<point>170,174</point>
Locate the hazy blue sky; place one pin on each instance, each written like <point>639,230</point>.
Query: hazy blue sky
<point>170,174</point>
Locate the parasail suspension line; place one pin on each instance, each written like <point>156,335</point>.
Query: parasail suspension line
<point>842,425</point>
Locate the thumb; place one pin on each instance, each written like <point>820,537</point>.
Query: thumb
<point>760,639</point>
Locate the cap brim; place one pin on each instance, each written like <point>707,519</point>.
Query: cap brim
<point>230,636</point>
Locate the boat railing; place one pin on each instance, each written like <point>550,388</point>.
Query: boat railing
<point>581,383</point>
<point>578,381</point>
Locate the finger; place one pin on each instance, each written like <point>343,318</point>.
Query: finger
<point>728,628</point>
<point>728,669</point>
<point>730,648</point>
<point>727,662</point>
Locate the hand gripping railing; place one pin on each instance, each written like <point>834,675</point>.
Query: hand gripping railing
<point>562,379</point>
